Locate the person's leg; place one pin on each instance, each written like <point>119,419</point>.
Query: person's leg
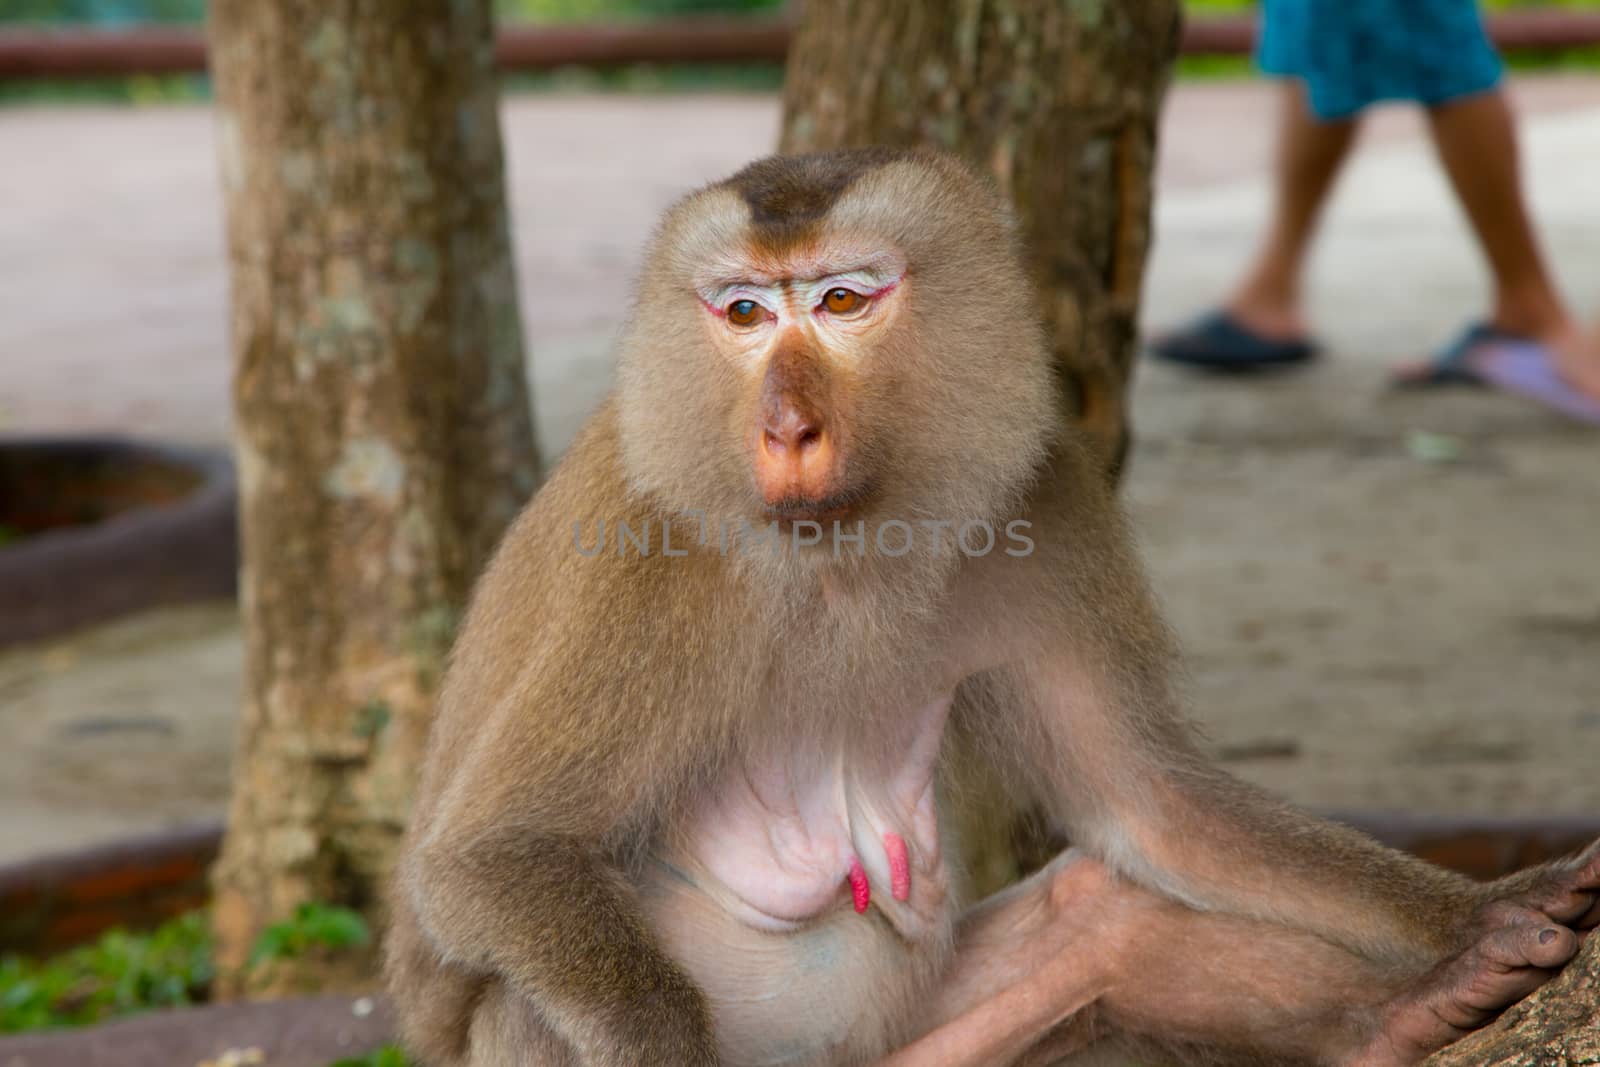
<point>1261,324</point>
<point>1477,144</point>
<point>1310,155</point>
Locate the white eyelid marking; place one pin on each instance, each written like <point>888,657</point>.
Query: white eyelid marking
<point>867,282</point>
<point>718,298</point>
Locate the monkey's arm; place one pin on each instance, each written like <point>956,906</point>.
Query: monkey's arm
<point>546,915</point>
<point>561,736</point>
<point>570,721</point>
<point>515,878</point>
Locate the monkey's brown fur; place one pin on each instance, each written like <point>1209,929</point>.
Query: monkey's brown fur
<point>550,908</point>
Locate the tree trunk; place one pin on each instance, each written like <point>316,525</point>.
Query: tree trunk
<point>383,428</point>
<point>1058,99</point>
<point>1559,1026</point>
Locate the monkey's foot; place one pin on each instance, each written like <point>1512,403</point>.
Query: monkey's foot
<point>1467,992</point>
<point>1568,892</point>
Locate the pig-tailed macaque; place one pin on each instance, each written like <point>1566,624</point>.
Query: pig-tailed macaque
<point>824,592</point>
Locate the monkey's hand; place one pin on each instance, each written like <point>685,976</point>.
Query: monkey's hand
<point>557,923</point>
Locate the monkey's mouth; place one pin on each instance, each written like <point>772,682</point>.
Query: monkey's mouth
<point>835,507</point>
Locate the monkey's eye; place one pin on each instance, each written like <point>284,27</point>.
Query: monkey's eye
<point>842,301</point>
<point>745,312</point>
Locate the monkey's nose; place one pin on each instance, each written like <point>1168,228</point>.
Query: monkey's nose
<point>791,430</point>
<point>795,457</point>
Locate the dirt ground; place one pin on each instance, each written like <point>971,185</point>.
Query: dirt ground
<point>1389,600</point>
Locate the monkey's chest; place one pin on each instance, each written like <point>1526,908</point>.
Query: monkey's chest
<point>799,833</point>
<point>807,894</point>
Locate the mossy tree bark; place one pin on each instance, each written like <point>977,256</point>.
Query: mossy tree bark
<point>1058,99</point>
<point>1559,1026</point>
<point>383,428</point>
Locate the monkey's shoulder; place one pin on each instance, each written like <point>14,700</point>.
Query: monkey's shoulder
<point>558,631</point>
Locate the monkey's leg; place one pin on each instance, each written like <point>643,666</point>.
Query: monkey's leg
<point>1088,708</point>
<point>1077,953</point>
<point>1129,785</point>
<point>1021,971</point>
<point>1190,980</point>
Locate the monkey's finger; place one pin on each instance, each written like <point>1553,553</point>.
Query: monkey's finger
<point>1567,896</point>
<point>1565,906</point>
<point>1586,875</point>
<point>1589,919</point>
<point>1565,891</point>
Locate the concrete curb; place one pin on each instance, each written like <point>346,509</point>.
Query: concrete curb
<point>141,557</point>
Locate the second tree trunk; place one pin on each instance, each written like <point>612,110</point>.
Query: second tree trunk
<point>1059,102</point>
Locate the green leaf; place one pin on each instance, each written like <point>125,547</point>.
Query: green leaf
<point>312,926</point>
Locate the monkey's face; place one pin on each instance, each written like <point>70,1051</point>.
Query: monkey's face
<point>843,338</point>
<point>804,326</point>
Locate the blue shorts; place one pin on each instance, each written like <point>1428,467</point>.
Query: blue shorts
<point>1353,53</point>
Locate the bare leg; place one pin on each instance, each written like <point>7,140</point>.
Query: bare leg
<point>1477,143</point>
<point>1310,154</point>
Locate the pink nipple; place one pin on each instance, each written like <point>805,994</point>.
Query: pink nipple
<point>899,866</point>
<point>860,892</point>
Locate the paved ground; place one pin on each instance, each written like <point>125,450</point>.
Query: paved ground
<point>304,1032</point>
<point>1367,628</point>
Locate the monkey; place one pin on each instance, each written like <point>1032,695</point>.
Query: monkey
<point>827,571</point>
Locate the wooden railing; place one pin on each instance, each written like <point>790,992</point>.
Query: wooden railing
<point>77,52</point>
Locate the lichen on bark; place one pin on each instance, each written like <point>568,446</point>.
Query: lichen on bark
<point>383,426</point>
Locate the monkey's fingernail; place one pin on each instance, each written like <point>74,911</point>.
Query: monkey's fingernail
<point>860,892</point>
<point>899,866</point>
<point>1546,936</point>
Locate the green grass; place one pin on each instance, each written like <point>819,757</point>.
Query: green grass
<point>388,1056</point>
<point>171,966</point>
<point>120,974</point>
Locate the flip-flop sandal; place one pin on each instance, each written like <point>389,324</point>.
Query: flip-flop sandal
<point>1524,368</point>
<point>1456,362</point>
<point>1512,363</point>
<point>1218,342</point>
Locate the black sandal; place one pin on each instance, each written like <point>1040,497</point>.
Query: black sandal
<point>1219,342</point>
